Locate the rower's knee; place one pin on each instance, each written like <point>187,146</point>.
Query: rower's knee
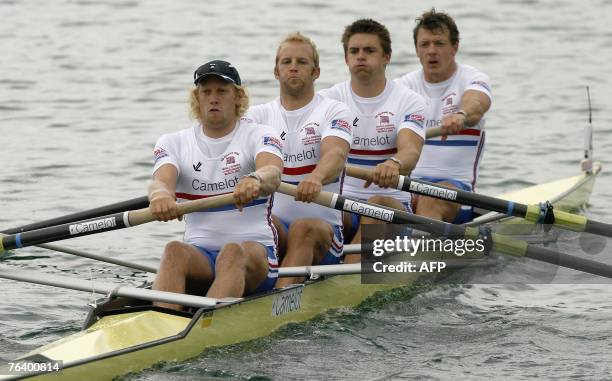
<point>309,230</point>
<point>232,256</point>
<point>175,255</point>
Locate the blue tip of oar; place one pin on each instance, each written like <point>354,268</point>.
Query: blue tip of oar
<point>18,243</point>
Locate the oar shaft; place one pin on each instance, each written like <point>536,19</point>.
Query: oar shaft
<point>441,192</point>
<point>501,243</point>
<point>107,289</point>
<point>135,203</point>
<point>531,213</point>
<point>103,224</point>
<point>100,258</point>
<point>569,261</point>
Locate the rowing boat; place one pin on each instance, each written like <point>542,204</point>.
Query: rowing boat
<point>123,335</point>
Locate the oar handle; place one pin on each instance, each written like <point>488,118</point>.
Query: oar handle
<point>327,199</point>
<point>359,173</point>
<point>433,132</point>
<point>142,216</point>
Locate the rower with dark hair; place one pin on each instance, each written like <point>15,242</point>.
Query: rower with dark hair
<point>388,130</point>
<point>459,96</point>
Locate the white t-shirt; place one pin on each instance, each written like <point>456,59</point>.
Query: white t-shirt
<point>459,155</point>
<point>303,131</point>
<point>209,167</point>
<point>378,121</point>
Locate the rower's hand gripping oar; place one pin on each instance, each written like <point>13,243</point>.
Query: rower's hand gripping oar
<point>105,223</point>
<point>533,213</point>
<point>503,244</point>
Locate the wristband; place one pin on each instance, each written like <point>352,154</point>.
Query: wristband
<point>396,160</point>
<point>253,175</point>
<point>461,112</point>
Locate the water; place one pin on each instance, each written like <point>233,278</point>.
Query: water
<point>86,87</point>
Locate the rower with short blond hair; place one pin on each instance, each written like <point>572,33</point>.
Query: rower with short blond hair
<point>317,134</point>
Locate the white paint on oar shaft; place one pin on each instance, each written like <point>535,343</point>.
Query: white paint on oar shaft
<point>126,219</point>
<point>334,199</point>
<point>400,182</point>
<point>343,269</point>
<point>108,288</point>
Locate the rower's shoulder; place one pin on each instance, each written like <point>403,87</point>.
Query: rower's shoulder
<point>338,92</point>
<point>410,79</point>
<point>177,136</point>
<point>260,113</point>
<point>253,129</point>
<point>330,104</point>
<point>406,94</point>
<point>468,71</point>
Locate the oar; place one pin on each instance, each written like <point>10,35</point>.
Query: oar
<point>355,268</point>
<point>114,261</point>
<point>135,203</point>
<point>532,213</point>
<point>108,288</point>
<point>433,132</point>
<point>501,243</point>
<point>103,224</point>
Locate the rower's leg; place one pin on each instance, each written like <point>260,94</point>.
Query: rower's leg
<point>180,262</point>
<point>381,200</point>
<point>437,209</point>
<point>308,242</point>
<point>239,268</point>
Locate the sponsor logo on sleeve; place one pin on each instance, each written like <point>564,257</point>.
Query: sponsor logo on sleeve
<point>159,153</point>
<point>273,142</point>
<point>342,125</point>
<point>417,119</point>
<point>482,84</point>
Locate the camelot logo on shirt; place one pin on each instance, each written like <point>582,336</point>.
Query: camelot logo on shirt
<point>196,167</point>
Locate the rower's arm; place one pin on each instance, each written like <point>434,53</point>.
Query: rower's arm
<point>475,104</point>
<point>269,168</point>
<point>162,202</point>
<point>263,181</point>
<point>334,151</point>
<point>409,146</point>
